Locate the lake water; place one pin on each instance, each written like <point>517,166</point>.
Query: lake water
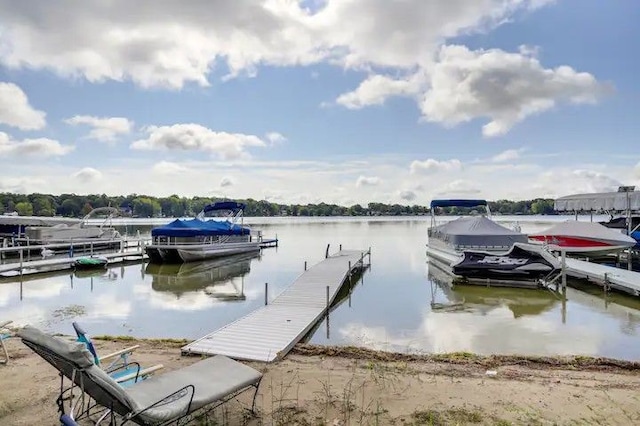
<point>389,308</point>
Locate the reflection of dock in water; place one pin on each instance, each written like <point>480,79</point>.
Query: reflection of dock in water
<point>483,299</point>
<point>216,277</point>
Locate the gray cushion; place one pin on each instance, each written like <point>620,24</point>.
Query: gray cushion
<point>74,352</point>
<point>213,378</point>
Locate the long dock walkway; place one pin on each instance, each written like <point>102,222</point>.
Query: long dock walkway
<point>269,332</point>
<point>608,276</point>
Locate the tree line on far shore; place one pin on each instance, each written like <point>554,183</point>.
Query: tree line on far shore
<point>72,205</point>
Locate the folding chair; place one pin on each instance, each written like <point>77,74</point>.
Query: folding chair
<point>162,399</point>
<point>120,368</point>
<point>5,333</point>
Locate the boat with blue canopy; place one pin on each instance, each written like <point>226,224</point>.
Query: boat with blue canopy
<point>186,240</point>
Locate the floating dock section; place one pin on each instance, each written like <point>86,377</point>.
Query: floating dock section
<point>270,332</point>
<point>607,276</point>
<point>32,267</point>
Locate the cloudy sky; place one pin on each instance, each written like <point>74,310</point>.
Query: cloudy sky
<point>297,101</point>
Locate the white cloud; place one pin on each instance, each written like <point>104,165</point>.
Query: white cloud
<point>597,181</point>
<point>376,89</point>
<point>636,171</point>
<point>41,147</point>
<point>503,87</point>
<point>400,44</point>
<point>88,174</point>
<point>459,187</point>
<point>194,137</point>
<point>226,181</point>
<point>168,168</point>
<point>508,155</point>
<point>407,195</point>
<point>367,181</point>
<point>430,166</point>
<point>169,44</point>
<point>104,128</point>
<point>275,138</point>
<point>16,111</point>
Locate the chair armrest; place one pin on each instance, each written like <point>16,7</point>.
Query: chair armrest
<point>120,352</point>
<point>140,373</point>
<point>110,371</point>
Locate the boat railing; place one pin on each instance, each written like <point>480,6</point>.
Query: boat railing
<point>217,239</point>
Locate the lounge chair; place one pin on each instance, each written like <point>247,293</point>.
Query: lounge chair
<point>163,399</point>
<point>4,334</point>
<point>120,368</point>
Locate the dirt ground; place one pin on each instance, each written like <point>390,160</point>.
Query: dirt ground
<point>349,386</point>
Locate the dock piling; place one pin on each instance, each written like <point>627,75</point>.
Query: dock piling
<point>305,265</point>
<point>563,255</point>
<point>340,247</point>
<point>328,291</point>
<point>266,293</point>
<point>326,254</point>
<point>21,259</point>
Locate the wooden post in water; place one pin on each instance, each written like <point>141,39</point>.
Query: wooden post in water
<point>563,255</point>
<point>605,285</point>
<point>340,247</point>
<point>266,293</point>
<point>21,258</point>
<point>305,265</point>
<point>91,248</point>
<point>326,254</point>
<point>630,259</point>
<point>327,300</point>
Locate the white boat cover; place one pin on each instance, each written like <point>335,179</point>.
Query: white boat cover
<point>477,231</point>
<point>590,230</point>
<point>616,201</point>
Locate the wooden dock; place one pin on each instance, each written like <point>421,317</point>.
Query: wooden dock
<point>270,332</point>
<point>17,269</point>
<point>607,276</point>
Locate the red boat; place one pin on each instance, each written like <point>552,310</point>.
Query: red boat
<point>588,238</point>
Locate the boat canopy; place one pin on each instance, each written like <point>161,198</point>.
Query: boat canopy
<point>601,201</point>
<point>477,231</point>
<point>458,203</point>
<point>224,205</point>
<point>589,230</point>
<point>197,227</point>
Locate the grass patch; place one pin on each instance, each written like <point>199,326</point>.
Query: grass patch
<point>161,341</point>
<point>453,416</point>
<point>490,361</point>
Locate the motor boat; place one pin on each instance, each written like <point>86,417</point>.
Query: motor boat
<point>203,238</point>
<point>80,231</point>
<point>586,238</point>
<point>477,247</point>
<point>520,261</point>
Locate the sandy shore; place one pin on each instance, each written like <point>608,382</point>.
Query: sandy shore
<point>317,386</point>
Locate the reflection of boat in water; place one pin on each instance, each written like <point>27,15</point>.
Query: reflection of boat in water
<point>215,277</point>
<point>520,301</point>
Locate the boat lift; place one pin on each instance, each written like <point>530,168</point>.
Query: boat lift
<point>625,201</point>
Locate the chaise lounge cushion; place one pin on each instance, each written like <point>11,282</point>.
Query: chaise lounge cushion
<point>214,379</point>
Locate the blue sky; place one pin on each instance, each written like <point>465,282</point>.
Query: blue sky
<point>345,101</point>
